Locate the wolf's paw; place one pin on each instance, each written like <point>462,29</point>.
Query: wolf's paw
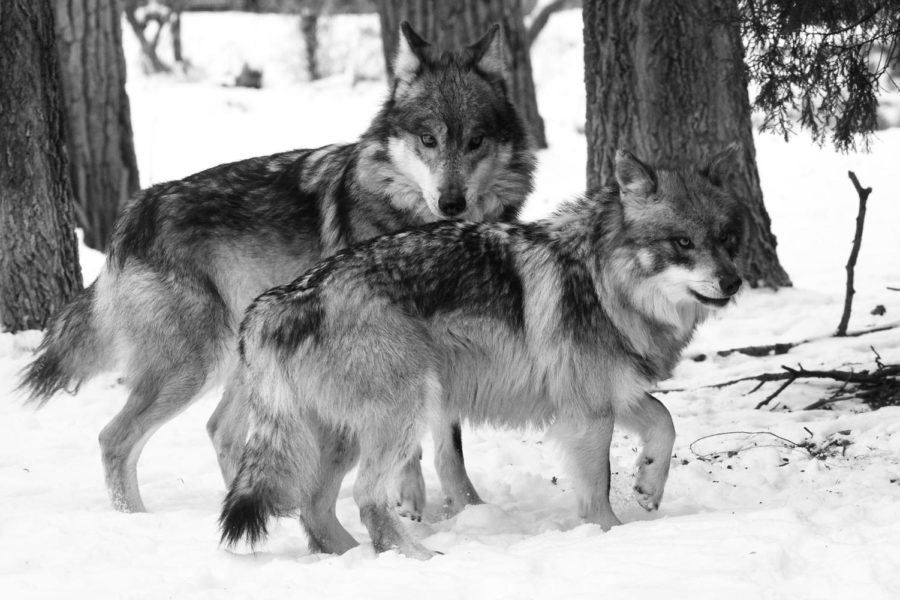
<point>454,505</point>
<point>411,509</point>
<point>412,500</point>
<point>606,520</point>
<point>649,500</point>
<point>650,482</point>
<point>411,495</point>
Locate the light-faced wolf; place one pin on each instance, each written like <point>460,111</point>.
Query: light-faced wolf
<point>188,256</point>
<point>568,321</point>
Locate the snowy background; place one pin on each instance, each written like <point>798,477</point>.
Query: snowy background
<point>744,516</point>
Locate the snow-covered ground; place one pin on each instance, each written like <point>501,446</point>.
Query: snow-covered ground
<point>742,522</point>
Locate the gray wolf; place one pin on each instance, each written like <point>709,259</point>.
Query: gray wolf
<point>566,322</point>
<point>187,257</point>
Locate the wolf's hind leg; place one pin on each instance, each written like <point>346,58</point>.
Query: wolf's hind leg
<point>652,421</point>
<point>227,428</point>
<point>448,460</point>
<point>587,445</point>
<point>338,453</point>
<point>386,444</point>
<point>411,496</point>
<point>381,455</point>
<point>156,397</point>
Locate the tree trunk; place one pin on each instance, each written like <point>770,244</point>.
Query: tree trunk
<point>39,269</point>
<point>666,79</point>
<point>102,164</point>
<point>456,23</point>
<point>175,30</point>
<point>309,29</point>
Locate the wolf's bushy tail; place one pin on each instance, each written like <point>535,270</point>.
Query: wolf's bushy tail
<point>71,351</point>
<point>278,469</point>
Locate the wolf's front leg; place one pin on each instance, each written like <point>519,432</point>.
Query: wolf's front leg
<point>411,495</point>
<point>652,421</point>
<point>448,460</point>
<point>586,443</point>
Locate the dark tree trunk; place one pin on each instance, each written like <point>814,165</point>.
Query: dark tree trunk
<point>456,23</point>
<point>309,29</point>
<point>102,164</point>
<point>175,29</point>
<point>666,79</point>
<point>39,269</point>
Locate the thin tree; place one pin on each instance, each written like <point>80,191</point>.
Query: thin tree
<point>102,163</point>
<point>39,269</point>
<point>140,20</point>
<point>310,12</point>
<point>666,79</point>
<point>455,23</point>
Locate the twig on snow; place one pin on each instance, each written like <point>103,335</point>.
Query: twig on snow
<point>780,389</point>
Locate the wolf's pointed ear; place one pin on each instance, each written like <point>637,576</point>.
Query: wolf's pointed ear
<point>489,53</point>
<point>410,53</point>
<point>721,166</point>
<point>633,176</point>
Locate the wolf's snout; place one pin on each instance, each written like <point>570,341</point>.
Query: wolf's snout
<point>452,204</point>
<point>730,284</point>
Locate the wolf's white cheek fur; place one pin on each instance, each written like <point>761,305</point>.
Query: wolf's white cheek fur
<point>666,297</point>
<point>408,163</point>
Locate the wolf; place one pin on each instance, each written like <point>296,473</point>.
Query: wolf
<point>566,322</point>
<point>187,257</point>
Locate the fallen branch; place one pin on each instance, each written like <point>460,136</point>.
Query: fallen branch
<point>780,389</point>
<point>878,388</point>
<point>863,194</point>
<point>779,348</point>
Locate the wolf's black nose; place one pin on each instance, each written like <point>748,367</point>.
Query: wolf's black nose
<point>452,205</point>
<point>730,284</point>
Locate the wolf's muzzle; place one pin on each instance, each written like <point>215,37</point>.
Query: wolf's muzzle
<point>730,284</point>
<point>452,204</point>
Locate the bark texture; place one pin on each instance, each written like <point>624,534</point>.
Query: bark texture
<point>666,79</point>
<point>39,269</point>
<point>102,164</point>
<point>455,23</point>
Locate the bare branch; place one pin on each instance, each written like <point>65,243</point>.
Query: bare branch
<point>863,194</point>
<point>772,396</point>
<point>542,17</point>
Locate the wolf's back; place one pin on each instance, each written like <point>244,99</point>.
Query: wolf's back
<point>70,352</point>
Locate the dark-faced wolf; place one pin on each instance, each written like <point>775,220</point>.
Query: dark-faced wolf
<point>188,256</point>
<point>568,321</point>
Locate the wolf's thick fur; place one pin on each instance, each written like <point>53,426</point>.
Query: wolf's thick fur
<point>188,256</point>
<point>566,321</point>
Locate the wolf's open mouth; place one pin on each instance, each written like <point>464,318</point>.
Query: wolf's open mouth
<point>711,301</point>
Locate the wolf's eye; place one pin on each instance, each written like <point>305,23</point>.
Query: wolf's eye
<point>684,243</point>
<point>475,142</point>
<point>726,238</point>
<point>428,140</point>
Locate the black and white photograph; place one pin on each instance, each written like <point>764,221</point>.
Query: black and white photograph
<point>450,299</point>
